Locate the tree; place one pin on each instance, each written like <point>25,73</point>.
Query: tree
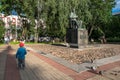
<point>101,14</point>
<point>58,18</point>
<point>113,28</point>
<point>55,13</point>
<point>2,30</point>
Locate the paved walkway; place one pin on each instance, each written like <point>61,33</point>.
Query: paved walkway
<point>39,67</point>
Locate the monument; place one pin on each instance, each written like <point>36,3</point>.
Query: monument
<point>77,35</point>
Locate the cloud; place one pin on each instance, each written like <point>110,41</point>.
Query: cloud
<point>116,9</point>
<point>117,0</point>
<point>118,3</point>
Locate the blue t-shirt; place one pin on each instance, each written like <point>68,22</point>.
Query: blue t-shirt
<point>21,52</point>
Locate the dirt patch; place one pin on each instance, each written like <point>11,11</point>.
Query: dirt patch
<point>78,56</point>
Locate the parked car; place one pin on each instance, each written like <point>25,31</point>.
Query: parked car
<point>44,39</point>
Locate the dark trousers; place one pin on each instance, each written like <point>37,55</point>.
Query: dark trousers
<point>21,63</point>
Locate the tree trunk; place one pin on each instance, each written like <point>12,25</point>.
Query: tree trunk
<point>90,31</point>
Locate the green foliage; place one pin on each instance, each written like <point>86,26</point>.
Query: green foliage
<point>2,30</point>
<point>95,14</point>
<point>113,39</point>
<point>97,33</point>
<point>101,14</point>
<point>16,42</point>
<point>113,28</point>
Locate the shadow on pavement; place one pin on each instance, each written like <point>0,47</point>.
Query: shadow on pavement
<point>10,71</point>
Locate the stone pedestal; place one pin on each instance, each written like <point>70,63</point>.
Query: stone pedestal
<point>82,38</point>
<point>77,37</point>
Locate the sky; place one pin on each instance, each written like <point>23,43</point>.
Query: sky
<point>116,9</point>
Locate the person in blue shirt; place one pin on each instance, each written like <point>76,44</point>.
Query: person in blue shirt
<point>20,55</point>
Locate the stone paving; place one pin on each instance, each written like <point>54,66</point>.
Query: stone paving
<point>112,74</point>
<point>100,62</point>
<point>39,67</point>
<point>36,69</point>
<point>3,57</point>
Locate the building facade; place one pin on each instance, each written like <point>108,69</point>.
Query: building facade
<point>11,22</point>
